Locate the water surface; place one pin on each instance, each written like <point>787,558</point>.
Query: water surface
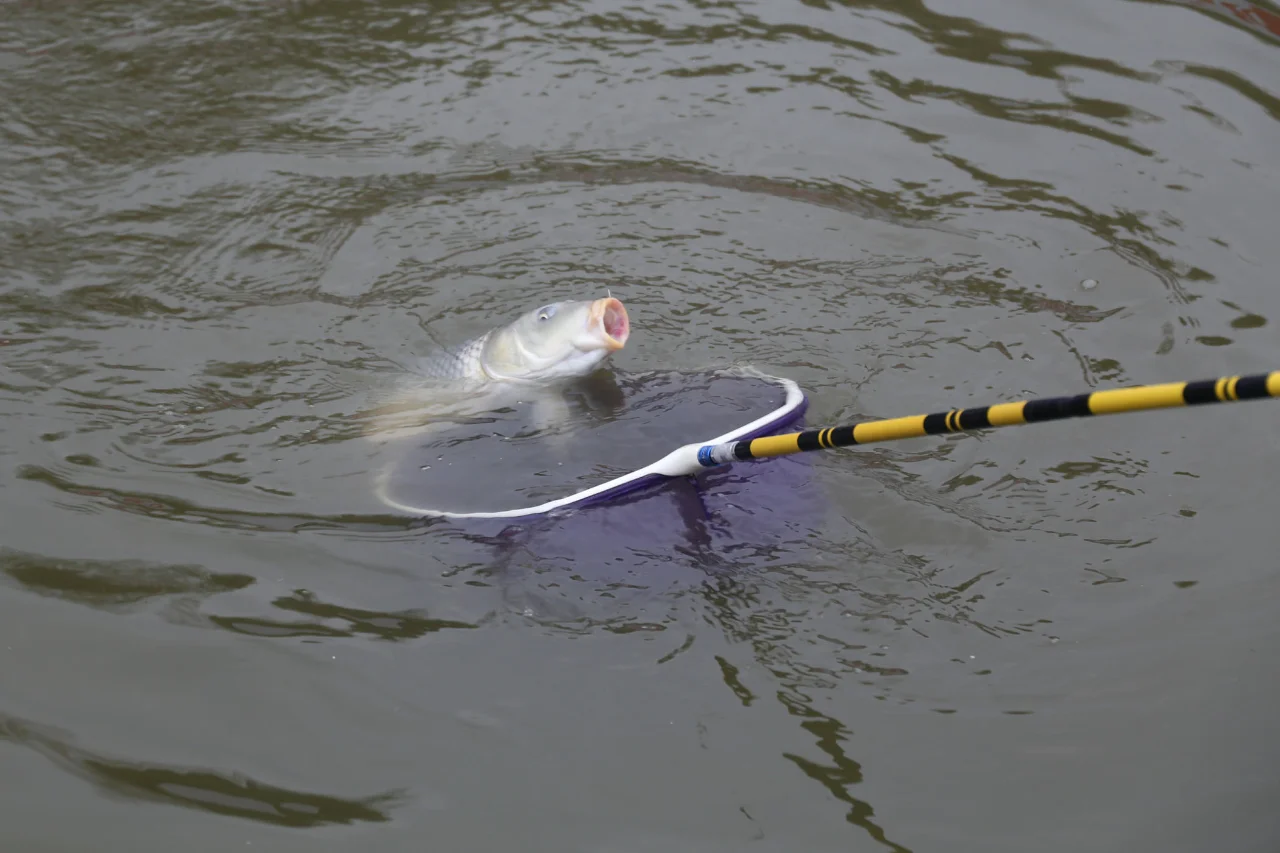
<point>222,223</point>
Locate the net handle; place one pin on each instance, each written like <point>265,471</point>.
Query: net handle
<point>1227,389</point>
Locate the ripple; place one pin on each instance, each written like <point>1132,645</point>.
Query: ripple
<point>115,583</point>
<point>226,794</point>
<point>391,626</point>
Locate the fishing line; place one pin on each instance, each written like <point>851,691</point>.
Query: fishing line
<point>752,440</point>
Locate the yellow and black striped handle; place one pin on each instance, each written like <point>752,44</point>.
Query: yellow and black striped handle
<point>1140,398</point>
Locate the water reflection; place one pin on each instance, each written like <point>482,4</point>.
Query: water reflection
<point>227,794</point>
<point>1258,19</point>
<point>744,611</point>
<point>393,626</point>
<point>115,583</point>
<point>166,507</point>
<point>842,773</point>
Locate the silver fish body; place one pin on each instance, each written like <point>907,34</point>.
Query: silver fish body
<point>557,341</point>
<point>532,355</point>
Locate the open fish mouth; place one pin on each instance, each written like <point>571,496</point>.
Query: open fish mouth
<point>610,316</point>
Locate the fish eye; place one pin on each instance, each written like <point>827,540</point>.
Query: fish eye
<point>546,312</point>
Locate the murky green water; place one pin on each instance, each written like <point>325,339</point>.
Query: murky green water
<point>220,219</point>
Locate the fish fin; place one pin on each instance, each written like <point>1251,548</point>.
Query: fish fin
<point>414,410</point>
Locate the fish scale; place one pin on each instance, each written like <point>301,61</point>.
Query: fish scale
<point>457,365</point>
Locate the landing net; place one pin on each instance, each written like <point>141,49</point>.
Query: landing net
<point>606,448</point>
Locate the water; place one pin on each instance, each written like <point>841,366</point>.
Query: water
<point>222,222</point>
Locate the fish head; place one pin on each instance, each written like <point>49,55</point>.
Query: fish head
<point>558,341</point>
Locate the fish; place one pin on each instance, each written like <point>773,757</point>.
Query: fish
<point>530,362</point>
<point>534,356</point>
<point>554,342</point>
